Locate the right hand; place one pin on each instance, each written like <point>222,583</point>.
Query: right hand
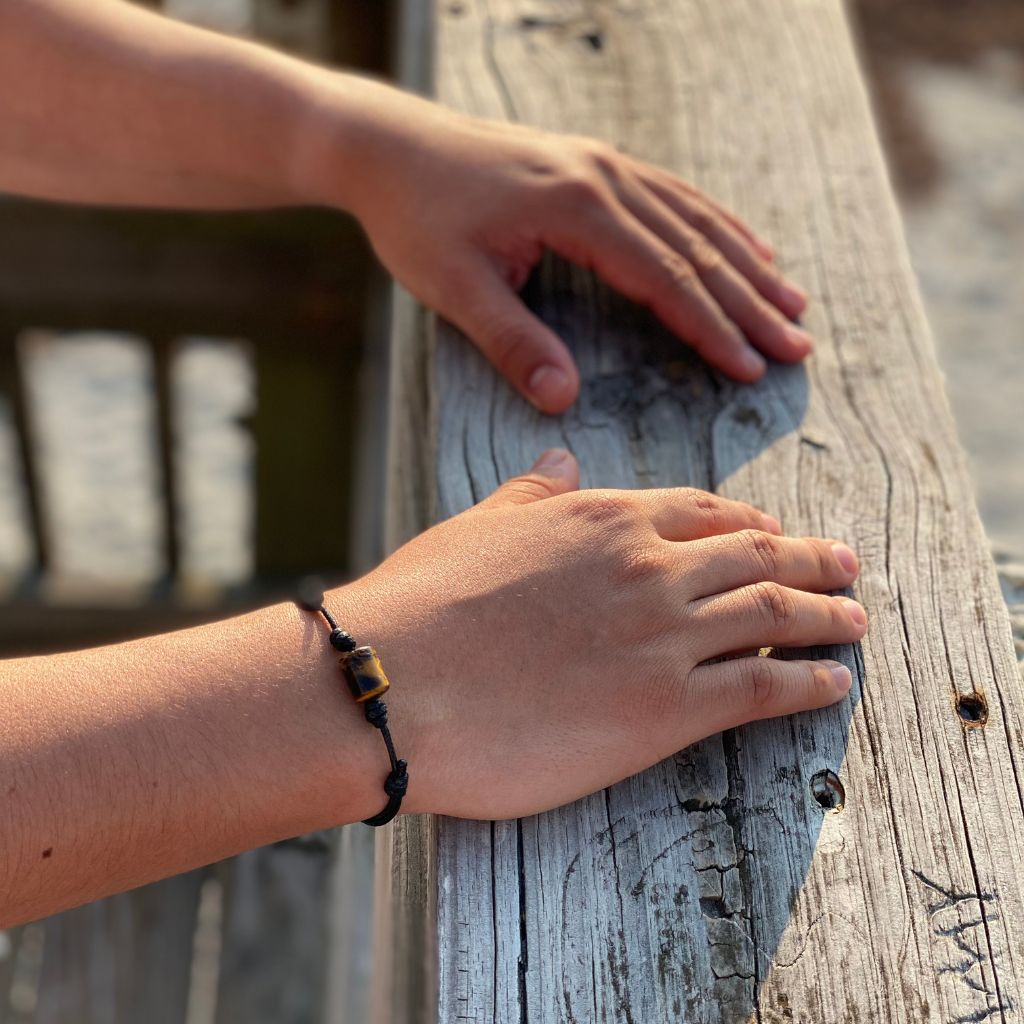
<point>545,644</point>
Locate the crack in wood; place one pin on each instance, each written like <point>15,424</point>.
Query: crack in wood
<point>974,959</point>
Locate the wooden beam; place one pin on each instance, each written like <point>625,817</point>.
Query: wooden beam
<point>12,387</point>
<point>297,277</point>
<point>164,349</point>
<point>728,882</point>
<point>124,958</point>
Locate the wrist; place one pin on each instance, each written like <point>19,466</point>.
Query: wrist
<point>352,136</point>
<point>347,764</point>
<point>333,144</point>
<point>327,761</point>
<point>365,610</point>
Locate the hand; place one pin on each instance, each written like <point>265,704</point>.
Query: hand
<point>545,644</point>
<point>460,211</point>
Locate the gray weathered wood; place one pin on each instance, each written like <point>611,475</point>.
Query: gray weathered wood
<point>405,938</point>
<point>123,959</point>
<point>19,981</point>
<point>12,388</point>
<point>273,948</point>
<point>714,887</point>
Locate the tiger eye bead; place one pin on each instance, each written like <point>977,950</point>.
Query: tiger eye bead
<point>364,673</point>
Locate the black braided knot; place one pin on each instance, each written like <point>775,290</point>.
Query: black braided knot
<point>397,781</point>
<point>341,641</point>
<point>376,712</point>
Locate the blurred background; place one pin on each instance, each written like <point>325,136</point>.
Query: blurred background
<point>182,399</point>
<point>179,394</point>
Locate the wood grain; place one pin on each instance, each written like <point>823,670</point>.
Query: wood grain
<point>715,887</point>
<point>123,959</point>
<point>273,950</point>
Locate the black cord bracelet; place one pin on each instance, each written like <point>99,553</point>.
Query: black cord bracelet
<point>367,681</point>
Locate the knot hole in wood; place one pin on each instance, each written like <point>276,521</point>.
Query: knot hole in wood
<point>972,709</point>
<point>828,791</point>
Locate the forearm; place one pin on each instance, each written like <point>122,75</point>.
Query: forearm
<point>107,103</point>
<point>126,764</point>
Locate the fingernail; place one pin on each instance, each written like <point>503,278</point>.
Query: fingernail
<point>771,524</point>
<point>841,676</point>
<point>794,295</point>
<point>845,557</point>
<point>753,364</point>
<point>799,338</point>
<point>855,611</point>
<point>547,386</point>
<point>550,462</point>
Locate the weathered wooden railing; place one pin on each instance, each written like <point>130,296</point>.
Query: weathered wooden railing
<point>863,863</point>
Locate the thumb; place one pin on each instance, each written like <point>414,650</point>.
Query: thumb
<point>523,349</point>
<point>555,472</point>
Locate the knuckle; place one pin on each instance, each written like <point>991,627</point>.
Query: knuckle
<point>678,272</point>
<point>604,155</point>
<point>703,219</point>
<point>765,684</point>
<point>823,558</point>
<point>709,512</point>
<point>835,615</point>
<point>578,190</point>
<point>765,552</point>
<point>509,347</point>
<point>774,604</point>
<point>642,563</point>
<point>704,256</point>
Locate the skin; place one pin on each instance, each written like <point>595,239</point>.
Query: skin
<point>128,763</point>
<point>542,644</point>
<point>107,103</point>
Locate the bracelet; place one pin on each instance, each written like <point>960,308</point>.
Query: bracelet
<point>367,681</point>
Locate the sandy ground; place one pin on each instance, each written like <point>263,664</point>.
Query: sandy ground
<point>966,236</point>
<point>967,242</point>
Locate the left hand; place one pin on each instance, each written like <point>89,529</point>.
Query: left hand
<point>460,210</point>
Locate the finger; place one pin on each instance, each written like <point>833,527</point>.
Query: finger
<point>522,348</point>
<point>771,615</point>
<point>731,693</point>
<point>683,513</point>
<point>736,247</point>
<point>720,564</point>
<point>762,323</point>
<point>555,472</point>
<point>634,260</point>
<point>762,245</point>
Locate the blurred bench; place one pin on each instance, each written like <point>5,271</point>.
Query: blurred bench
<point>295,285</point>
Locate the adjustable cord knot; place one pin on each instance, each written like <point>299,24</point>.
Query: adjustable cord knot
<point>376,713</point>
<point>397,781</point>
<point>367,681</point>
